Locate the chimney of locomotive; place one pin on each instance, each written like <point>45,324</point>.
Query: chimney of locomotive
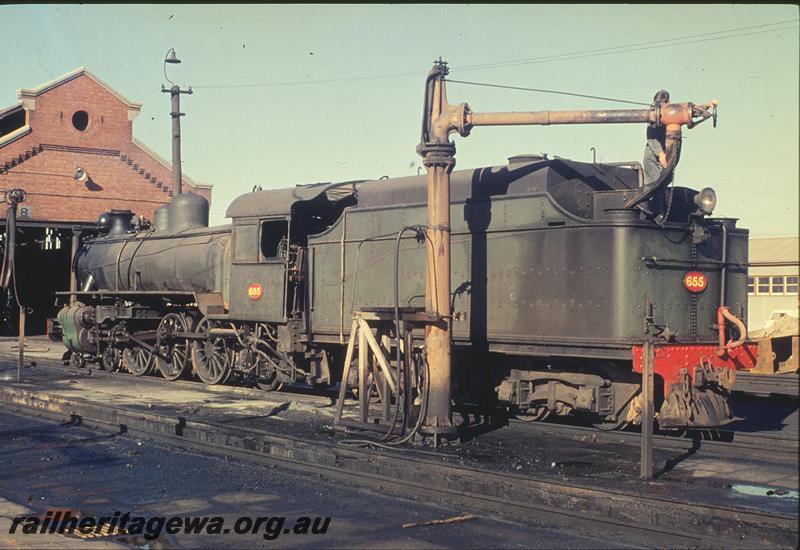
<point>120,222</point>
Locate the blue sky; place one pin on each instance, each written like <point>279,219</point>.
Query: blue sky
<point>288,94</point>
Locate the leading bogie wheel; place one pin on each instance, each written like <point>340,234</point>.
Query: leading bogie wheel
<point>173,355</point>
<point>269,382</point>
<point>111,359</point>
<point>138,360</point>
<point>212,358</point>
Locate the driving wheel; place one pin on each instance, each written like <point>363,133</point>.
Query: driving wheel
<point>137,360</point>
<point>212,358</point>
<point>173,352</point>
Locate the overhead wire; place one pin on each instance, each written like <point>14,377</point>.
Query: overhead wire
<point>597,53</point>
<point>639,46</point>
<point>625,48</point>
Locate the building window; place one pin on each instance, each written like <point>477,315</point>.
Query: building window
<point>775,285</point>
<point>80,120</point>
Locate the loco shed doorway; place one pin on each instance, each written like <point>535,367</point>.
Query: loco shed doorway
<point>43,267</point>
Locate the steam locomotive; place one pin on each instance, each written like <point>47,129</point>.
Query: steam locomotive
<point>556,285</point>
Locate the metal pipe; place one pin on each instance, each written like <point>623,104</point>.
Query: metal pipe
<point>117,274</point>
<point>223,332</point>
<point>460,118</point>
<point>779,263</point>
<point>10,246</point>
<point>724,271</point>
<point>724,313</point>
<point>739,324</point>
<point>673,152</point>
<point>438,156</point>
<point>721,351</point>
<point>73,272</point>
<point>439,421</point>
<point>618,116</point>
<point>342,274</point>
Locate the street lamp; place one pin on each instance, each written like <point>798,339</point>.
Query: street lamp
<point>175,92</point>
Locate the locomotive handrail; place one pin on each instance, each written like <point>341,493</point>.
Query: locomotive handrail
<point>675,261</point>
<point>184,296</point>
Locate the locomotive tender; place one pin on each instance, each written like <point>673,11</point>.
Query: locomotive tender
<point>556,285</point>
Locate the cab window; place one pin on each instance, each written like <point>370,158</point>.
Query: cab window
<point>246,243</point>
<point>274,239</point>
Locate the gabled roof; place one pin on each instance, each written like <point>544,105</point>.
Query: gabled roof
<point>10,110</point>
<point>72,75</point>
<point>168,165</point>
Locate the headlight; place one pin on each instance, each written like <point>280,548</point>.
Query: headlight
<point>706,200</point>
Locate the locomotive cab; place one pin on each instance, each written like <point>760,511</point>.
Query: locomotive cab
<point>270,238</point>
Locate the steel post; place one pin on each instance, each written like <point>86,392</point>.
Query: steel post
<point>438,156</point>
<point>21,357</point>
<point>647,411</point>
<point>438,422</point>
<point>177,178</point>
<point>176,114</point>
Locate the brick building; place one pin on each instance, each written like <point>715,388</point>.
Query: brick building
<point>75,121</point>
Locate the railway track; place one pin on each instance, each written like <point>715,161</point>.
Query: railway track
<point>728,443</point>
<point>640,511</point>
<point>740,443</point>
<point>768,385</point>
<point>297,393</point>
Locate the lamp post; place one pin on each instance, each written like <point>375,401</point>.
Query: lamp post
<point>175,92</point>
